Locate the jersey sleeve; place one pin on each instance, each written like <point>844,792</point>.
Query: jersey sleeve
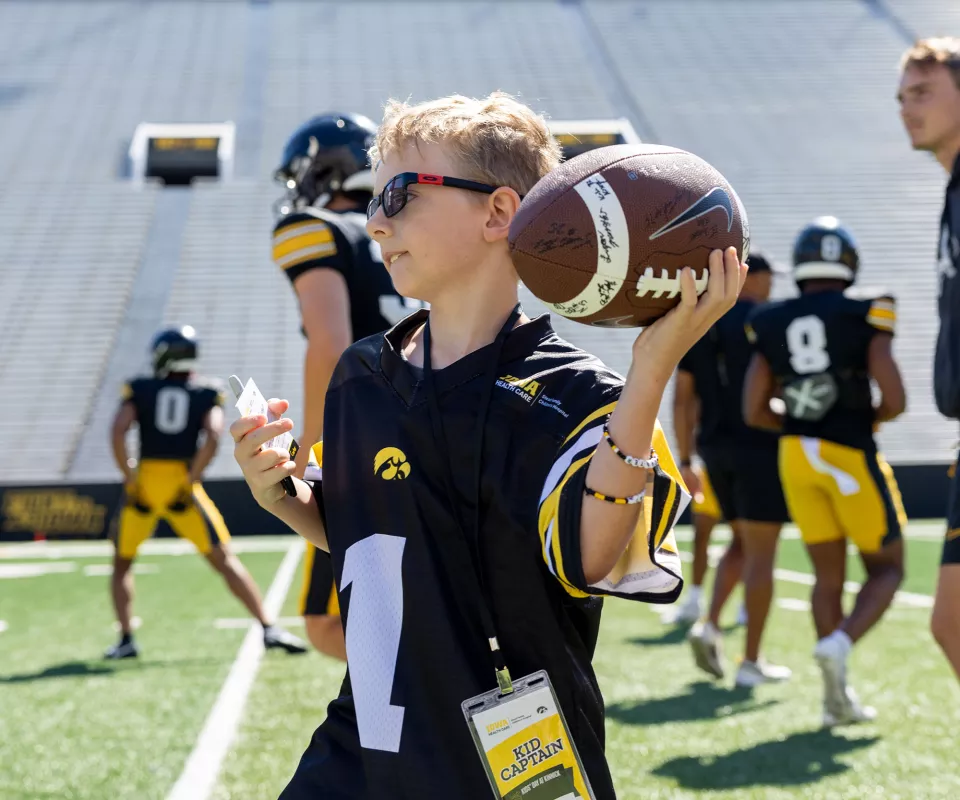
<point>882,314</point>
<point>302,242</point>
<point>649,569</point>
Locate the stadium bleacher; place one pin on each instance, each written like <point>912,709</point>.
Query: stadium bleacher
<point>792,101</point>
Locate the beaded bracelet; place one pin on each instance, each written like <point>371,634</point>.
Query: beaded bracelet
<point>633,461</point>
<point>620,501</point>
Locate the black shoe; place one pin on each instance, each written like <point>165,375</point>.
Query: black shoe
<point>275,636</point>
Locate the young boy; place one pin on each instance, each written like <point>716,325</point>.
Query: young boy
<point>463,516</point>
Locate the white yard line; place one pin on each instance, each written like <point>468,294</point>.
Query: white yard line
<point>199,775</point>
<point>242,623</point>
<point>911,599</point>
<point>903,598</point>
<point>153,547</point>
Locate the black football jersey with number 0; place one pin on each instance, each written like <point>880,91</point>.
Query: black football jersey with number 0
<point>170,413</point>
<point>415,644</point>
<point>817,345</point>
<point>315,238</point>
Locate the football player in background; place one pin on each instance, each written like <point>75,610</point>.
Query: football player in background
<point>344,292</point>
<point>174,409</point>
<point>823,349</point>
<point>742,465</point>
<point>929,98</point>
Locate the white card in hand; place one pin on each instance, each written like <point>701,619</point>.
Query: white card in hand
<point>251,403</point>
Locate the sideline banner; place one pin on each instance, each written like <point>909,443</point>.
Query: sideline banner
<point>89,510</point>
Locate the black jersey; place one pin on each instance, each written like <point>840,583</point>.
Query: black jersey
<point>718,363</point>
<point>817,345</point>
<point>170,412</point>
<point>415,645</point>
<point>946,368</point>
<point>315,238</point>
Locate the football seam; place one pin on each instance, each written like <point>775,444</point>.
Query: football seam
<point>589,175</point>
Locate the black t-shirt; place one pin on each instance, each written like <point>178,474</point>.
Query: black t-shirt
<point>315,238</point>
<point>718,363</point>
<point>826,333</point>
<point>946,370</point>
<point>170,412</point>
<point>415,652</point>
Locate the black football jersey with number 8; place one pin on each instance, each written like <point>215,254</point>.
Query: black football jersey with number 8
<point>817,345</point>
<point>170,413</point>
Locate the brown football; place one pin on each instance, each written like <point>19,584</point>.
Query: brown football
<point>602,238</point>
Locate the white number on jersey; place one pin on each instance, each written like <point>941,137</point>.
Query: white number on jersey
<point>172,411</point>
<point>807,344</point>
<point>831,247</point>
<point>372,567</point>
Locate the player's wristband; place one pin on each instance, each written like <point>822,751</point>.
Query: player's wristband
<point>633,461</point>
<point>620,501</point>
<point>685,462</point>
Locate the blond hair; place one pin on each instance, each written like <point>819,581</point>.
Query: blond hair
<point>927,53</point>
<point>497,139</point>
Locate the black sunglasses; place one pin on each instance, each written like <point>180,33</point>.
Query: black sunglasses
<point>394,195</point>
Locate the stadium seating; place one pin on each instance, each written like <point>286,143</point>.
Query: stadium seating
<point>793,101</point>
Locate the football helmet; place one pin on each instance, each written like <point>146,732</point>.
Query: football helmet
<point>174,350</point>
<point>324,155</point>
<point>825,249</point>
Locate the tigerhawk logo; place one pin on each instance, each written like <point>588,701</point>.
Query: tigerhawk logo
<point>391,464</point>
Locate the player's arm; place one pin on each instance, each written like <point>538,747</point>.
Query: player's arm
<point>122,422</point>
<point>881,365</point>
<point>584,538</point>
<point>607,528</point>
<point>883,369</point>
<point>212,429</point>
<point>685,415</point>
<point>316,259</point>
<point>759,387</point>
<point>325,310</point>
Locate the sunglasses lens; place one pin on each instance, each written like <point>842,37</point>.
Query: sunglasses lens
<point>394,199</point>
<point>372,206</point>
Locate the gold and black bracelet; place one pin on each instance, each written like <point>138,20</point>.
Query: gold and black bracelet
<point>620,501</point>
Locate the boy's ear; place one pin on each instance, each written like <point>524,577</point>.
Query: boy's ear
<point>502,206</point>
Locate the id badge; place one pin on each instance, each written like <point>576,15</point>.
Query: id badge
<point>525,744</point>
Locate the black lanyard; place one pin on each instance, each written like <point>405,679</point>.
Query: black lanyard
<point>469,544</point>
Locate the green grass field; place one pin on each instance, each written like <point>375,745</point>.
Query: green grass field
<point>73,726</point>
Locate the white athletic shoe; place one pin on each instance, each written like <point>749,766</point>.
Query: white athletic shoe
<point>754,673</point>
<point>831,656</point>
<point>851,712</point>
<point>705,640</point>
<point>686,613</point>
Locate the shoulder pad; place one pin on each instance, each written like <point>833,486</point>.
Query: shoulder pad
<point>133,387</point>
<point>302,237</point>
<point>212,385</point>
<point>868,293</point>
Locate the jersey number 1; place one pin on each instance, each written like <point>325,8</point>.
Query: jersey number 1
<point>807,343</point>
<point>372,566</point>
